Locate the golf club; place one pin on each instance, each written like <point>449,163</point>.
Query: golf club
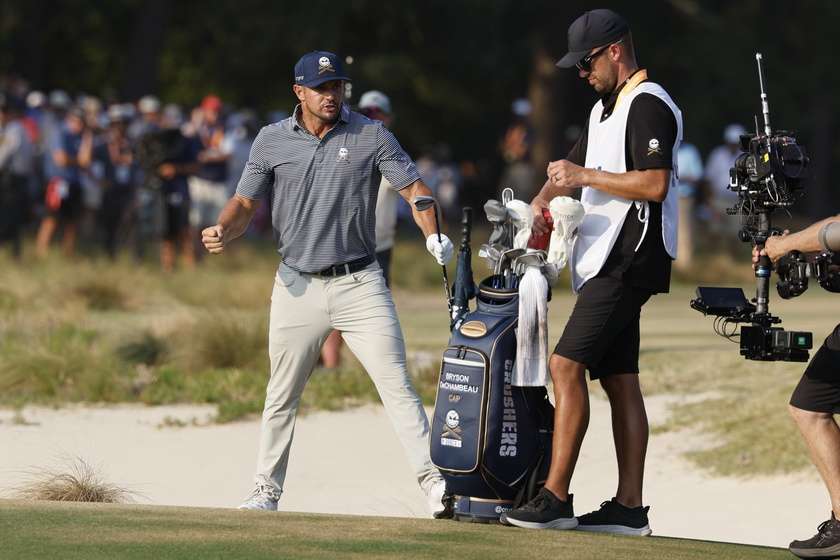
<point>421,204</point>
<point>507,196</point>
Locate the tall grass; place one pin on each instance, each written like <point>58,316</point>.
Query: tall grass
<point>71,479</point>
<point>92,330</point>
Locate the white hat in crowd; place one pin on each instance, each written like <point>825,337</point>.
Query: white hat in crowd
<point>376,100</point>
<point>60,98</point>
<point>148,104</point>
<point>35,99</point>
<point>732,133</point>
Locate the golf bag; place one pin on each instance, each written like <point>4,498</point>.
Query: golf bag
<point>491,441</point>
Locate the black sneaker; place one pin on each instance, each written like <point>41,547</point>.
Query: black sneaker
<point>617,519</point>
<point>825,544</point>
<point>545,511</point>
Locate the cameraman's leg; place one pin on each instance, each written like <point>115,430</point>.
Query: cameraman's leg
<point>813,404</point>
<point>822,436</point>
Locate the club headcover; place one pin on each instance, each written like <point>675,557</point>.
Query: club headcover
<point>522,218</point>
<point>498,216</point>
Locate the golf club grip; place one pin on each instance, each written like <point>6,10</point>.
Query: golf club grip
<point>466,227</point>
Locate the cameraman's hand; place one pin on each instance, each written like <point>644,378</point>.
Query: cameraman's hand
<point>773,248</point>
<point>756,255</point>
<point>776,247</point>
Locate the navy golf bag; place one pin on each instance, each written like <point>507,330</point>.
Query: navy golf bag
<point>491,441</point>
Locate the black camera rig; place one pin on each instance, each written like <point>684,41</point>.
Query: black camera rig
<point>771,173</point>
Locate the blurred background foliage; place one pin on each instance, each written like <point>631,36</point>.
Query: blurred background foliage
<point>452,69</point>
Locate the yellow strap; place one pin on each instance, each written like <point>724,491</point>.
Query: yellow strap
<point>637,79</point>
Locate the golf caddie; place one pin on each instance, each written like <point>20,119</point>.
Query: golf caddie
<point>320,170</point>
<point>624,168</point>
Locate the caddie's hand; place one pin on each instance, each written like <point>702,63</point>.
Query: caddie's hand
<point>563,173</point>
<point>213,238</point>
<point>442,250</point>
<point>540,225</point>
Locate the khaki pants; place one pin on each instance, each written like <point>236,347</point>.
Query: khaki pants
<point>304,310</point>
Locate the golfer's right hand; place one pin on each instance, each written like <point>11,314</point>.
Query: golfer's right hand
<point>213,238</point>
<point>442,250</point>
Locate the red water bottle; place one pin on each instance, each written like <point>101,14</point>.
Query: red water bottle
<point>541,243</point>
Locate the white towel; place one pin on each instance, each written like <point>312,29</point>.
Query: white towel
<point>532,335</point>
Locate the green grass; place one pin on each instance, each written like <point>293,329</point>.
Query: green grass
<point>96,331</point>
<point>105,531</point>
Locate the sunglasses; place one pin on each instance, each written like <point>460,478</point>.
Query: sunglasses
<point>586,63</point>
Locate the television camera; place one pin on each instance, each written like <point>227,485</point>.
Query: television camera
<point>771,173</point>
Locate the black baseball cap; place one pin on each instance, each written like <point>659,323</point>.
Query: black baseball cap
<point>593,29</point>
<point>317,67</point>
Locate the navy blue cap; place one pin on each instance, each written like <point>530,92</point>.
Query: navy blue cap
<point>595,28</point>
<point>318,67</point>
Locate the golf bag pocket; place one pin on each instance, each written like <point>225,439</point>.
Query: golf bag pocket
<point>458,419</point>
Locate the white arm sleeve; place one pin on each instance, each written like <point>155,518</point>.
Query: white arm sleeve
<point>830,237</point>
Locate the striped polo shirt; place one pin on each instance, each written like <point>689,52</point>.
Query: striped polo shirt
<point>323,191</point>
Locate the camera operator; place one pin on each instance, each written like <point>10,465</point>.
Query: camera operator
<point>816,398</point>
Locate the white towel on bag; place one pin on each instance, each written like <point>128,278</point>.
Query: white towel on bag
<point>532,335</point>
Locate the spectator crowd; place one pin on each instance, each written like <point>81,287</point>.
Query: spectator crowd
<point>120,176</point>
<point>140,176</point>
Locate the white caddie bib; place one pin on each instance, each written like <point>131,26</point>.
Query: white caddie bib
<point>604,213</point>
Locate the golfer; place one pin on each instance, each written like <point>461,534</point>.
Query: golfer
<point>320,170</point>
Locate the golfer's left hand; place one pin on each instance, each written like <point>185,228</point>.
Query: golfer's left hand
<point>442,250</point>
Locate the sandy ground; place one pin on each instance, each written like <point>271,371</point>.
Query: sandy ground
<point>350,462</point>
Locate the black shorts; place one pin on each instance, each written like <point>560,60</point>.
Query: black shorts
<point>177,216</point>
<point>603,330</point>
<point>71,206</point>
<point>819,388</point>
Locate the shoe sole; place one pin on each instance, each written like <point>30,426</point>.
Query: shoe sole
<point>249,508</point>
<point>616,530</point>
<point>445,509</point>
<point>828,552</point>
<point>562,524</point>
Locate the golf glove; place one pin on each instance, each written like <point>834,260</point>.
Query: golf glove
<point>442,250</point>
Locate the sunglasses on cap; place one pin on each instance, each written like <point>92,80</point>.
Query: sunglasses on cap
<point>586,63</point>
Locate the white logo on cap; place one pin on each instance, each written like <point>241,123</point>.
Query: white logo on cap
<point>325,64</point>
